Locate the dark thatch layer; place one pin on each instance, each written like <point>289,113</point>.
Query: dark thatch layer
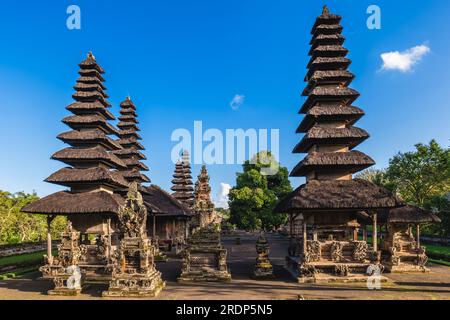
<point>338,195</point>
<point>129,133</point>
<point>327,63</point>
<point>67,203</point>
<point>130,142</point>
<point>317,95</point>
<point>89,121</point>
<point>134,163</point>
<point>78,138</point>
<point>91,80</point>
<point>352,161</point>
<point>326,19</point>
<point>128,111</point>
<point>407,214</point>
<point>160,202</point>
<point>350,114</point>
<point>327,29</point>
<point>81,108</point>
<point>134,175</point>
<point>127,103</point>
<point>128,126</point>
<point>128,118</point>
<point>91,63</point>
<point>351,136</point>
<point>327,39</point>
<point>129,153</point>
<point>73,156</point>
<point>91,73</point>
<point>70,176</point>
<point>329,51</point>
<point>90,96</point>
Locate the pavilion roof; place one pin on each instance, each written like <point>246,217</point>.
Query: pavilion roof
<point>338,195</point>
<point>160,202</point>
<point>89,121</point>
<point>69,203</point>
<point>407,214</point>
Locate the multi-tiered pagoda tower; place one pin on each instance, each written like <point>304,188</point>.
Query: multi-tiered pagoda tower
<point>203,206</point>
<point>332,206</point>
<point>182,181</point>
<point>92,175</point>
<point>130,153</point>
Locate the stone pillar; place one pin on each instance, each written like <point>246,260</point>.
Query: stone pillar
<point>108,230</point>
<point>154,226</point>
<point>364,233</point>
<point>375,233</point>
<point>49,240</point>
<point>418,235</point>
<point>305,237</point>
<point>315,235</point>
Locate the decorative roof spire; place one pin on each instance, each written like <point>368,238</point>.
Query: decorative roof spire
<point>325,11</point>
<point>90,56</point>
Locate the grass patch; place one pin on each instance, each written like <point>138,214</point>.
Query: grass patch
<point>441,262</point>
<point>27,258</point>
<point>438,249</point>
<point>17,273</point>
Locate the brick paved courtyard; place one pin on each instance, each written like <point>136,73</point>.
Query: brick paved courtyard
<point>435,285</point>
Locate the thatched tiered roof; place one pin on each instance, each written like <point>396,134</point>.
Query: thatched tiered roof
<point>130,153</point>
<point>329,129</point>
<point>182,181</point>
<point>92,176</point>
<point>330,135</point>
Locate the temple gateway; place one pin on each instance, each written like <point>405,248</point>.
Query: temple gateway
<point>328,212</point>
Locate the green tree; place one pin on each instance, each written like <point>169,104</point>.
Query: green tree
<point>16,226</point>
<point>421,174</point>
<point>377,177</point>
<point>257,190</point>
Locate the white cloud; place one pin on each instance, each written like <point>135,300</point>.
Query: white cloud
<point>222,196</point>
<point>237,101</point>
<point>404,61</point>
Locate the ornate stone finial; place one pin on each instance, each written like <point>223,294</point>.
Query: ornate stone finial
<point>128,98</point>
<point>133,215</point>
<point>325,11</point>
<point>90,56</point>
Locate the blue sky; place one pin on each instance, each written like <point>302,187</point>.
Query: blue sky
<point>183,61</point>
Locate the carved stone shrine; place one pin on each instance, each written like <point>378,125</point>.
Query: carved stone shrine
<point>134,272</point>
<point>204,258</point>
<point>263,268</point>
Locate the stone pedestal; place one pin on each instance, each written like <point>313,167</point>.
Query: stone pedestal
<point>204,258</point>
<point>263,268</point>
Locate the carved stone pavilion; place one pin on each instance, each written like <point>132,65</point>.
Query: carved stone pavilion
<point>203,206</point>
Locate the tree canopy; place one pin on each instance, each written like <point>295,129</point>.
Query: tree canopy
<point>16,226</point>
<point>257,190</point>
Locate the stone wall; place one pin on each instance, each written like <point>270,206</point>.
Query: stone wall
<point>7,250</point>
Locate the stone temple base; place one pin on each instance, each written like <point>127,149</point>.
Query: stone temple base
<point>406,268</point>
<point>205,276</point>
<point>325,272</point>
<point>136,286</point>
<point>64,292</point>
